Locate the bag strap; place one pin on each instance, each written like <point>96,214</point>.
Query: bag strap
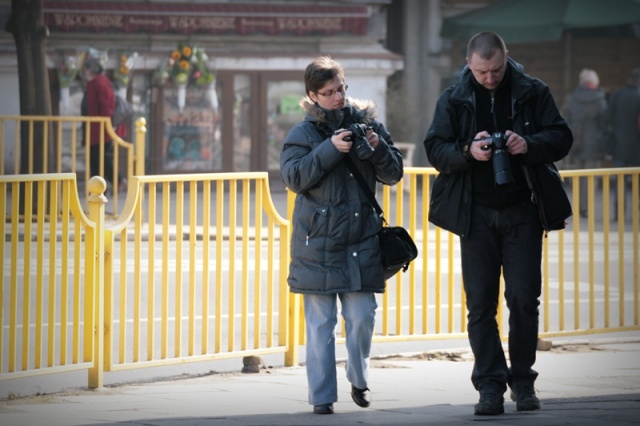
<point>365,188</point>
<point>534,194</point>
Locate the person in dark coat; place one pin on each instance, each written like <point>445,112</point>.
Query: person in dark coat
<point>500,227</point>
<point>100,101</point>
<point>587,116</point>
<point>624,111</point>
<point>335,253</point>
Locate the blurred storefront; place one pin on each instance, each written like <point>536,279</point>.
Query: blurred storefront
<point>237,104</point>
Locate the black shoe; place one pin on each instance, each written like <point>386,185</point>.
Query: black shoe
<point>323,409</point>
<point>525,397</point>
<point>362,397</point>
<point>490,404</point>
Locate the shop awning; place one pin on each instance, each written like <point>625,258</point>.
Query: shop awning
<point>215,19</point>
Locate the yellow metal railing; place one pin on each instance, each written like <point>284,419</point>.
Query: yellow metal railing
<point>50,270</point>
<point>195,268</point>
<point>598,256</point>
<point>591,257</point>
<point>63,148</point>
<point>219,254</point>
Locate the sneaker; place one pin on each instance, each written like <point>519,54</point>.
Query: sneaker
<point>490,404</point>
<point>525,397</point>
<point>323,409</point>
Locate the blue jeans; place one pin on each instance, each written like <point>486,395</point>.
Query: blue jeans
<point>507,240</point>
<point>321,316</point>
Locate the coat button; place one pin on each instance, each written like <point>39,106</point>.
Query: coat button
<point>354,254</point>
<point>357,214</point>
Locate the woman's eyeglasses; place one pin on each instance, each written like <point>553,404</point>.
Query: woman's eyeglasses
<point>329,93</point>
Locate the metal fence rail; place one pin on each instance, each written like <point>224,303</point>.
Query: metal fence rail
<point>195,266</point>
<point>48,280</point>
<point>590,269</point>
<point>207,278</point>
<point>63,147</point>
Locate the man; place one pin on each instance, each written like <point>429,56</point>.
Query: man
<point>625,125</point>
<point>500,228</point>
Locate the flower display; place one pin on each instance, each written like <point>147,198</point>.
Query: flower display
<point>122,73</point>
<point>186,64</point>
<point>67,66</point>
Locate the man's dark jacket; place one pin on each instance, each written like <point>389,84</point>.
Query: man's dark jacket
<point>535,117</point>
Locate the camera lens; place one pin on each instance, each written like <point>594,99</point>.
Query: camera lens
<point>501,162</point>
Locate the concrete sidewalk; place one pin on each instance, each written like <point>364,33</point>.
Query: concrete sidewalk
<point>586,382</point>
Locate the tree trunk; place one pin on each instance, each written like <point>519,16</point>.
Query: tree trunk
<point>30,34</point>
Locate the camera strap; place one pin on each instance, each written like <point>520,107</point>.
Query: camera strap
<point>363,185</point>
<point>359,178</point>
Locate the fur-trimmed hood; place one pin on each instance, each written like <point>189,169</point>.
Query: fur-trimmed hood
<point>362,111</point>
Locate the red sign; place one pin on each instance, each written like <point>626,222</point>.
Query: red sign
<point>219,19</point>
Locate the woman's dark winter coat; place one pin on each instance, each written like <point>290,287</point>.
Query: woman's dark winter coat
<point>334,246</point>
<point>535,117</point>
<point>586,114</point>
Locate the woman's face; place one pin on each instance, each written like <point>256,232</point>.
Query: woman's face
<point>332,95</point>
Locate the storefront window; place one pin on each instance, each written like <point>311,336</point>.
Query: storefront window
<point>191,139</point>
<point>283,112</point>
<point>242,123</point>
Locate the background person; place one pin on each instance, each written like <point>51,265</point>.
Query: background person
<point>587,116</point>
<point>99,101</point>
<point>335,253</point>
<point>625,125</point>
<point>500,230</point>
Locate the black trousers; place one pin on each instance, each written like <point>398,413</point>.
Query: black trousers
<point>508,240</point>
<point>94,162</point>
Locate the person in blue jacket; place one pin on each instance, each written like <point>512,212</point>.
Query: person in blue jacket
<point>498,122</point>
<point>335,252</point>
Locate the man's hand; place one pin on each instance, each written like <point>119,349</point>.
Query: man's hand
<point>516,143</point>
<point>480,147</point>
<point>338,140</point>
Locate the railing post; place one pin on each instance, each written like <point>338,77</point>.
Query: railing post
<point>94,269</point>
<point>294,310</point>
<point>141,132</point>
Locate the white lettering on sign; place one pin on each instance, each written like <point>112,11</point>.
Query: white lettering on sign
<point>96,21</point>
<point>310,24</point>
<point>204,22</point>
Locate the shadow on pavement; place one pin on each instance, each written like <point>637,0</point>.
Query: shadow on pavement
<point>623,409</point>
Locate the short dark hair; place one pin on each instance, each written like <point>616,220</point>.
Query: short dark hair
<point>93,65</point>
<point>319,71</point>
<point>485,45</point>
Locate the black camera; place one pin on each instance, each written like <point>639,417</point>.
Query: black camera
<point>358,136</point>
<point>501,162</point>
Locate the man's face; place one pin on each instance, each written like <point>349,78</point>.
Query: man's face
<point>332,95</point>
<point>488,72</point>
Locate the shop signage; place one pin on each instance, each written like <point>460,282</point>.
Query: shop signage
<point>184,18</point>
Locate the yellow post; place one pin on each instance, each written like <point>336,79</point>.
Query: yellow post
<point>97,201</point>
<point>293,308</point>
<point>141,131</point>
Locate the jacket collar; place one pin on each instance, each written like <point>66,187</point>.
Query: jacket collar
<point>520,85</point>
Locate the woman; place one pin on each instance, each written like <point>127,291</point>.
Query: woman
<point>334,246</point>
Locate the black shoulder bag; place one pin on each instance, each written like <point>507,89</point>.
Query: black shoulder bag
<point>396,245</point>
<point>548,194</point>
